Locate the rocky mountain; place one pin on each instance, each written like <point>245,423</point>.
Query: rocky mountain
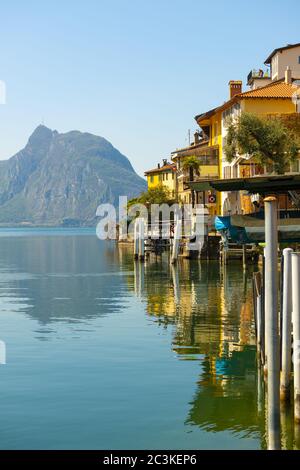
<point>60,179</point>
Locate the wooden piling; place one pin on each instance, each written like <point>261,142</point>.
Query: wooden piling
<point>286,325</point>
<point>142,239</point>
<point>271,317</point>
<point>136,239</point>
<point>296,331</point>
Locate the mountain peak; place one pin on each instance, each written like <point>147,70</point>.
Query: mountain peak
<point>40,134</point>
<point>62,178</point>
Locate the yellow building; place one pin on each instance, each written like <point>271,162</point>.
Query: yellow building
<point>208,156</point>
<point>269,99</point>
<point>164,175</point>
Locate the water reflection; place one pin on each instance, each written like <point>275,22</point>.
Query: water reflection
<point>75,280</point>
<point>60,279</point>
<point>212,318</point>
<point>211,311</point>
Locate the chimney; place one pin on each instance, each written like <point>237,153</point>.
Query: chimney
<point>196,138</point>
<point>288,76</point>
<point>158,165</point>
<point>165,161</point>
<point>235,88</point>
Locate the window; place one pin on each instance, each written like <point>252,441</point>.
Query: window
<point>167,176</point>
<point>299,59</point>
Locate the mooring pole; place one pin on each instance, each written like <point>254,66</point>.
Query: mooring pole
<point>296,332</point>
<point>286,334</point>
<point>136,239</point>
<point>272,327</point>
<point>142,239</point>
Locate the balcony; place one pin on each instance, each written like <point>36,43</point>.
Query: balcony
<point>253,74</point>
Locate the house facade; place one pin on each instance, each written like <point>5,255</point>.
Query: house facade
<point>206,153</point>
<point>283,57</point>
<point>163,175</point>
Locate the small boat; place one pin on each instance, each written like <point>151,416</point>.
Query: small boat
<point>250,228</point>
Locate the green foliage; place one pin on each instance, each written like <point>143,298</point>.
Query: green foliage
<point>158,195</point>
<point>266,139</point>
<point>192,165</point>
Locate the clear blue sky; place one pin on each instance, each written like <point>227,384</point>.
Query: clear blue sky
<point>135,72</point>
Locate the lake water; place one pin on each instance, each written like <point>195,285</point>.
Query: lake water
<point>106,353</point>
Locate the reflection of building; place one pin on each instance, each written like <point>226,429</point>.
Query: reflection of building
<point>226,396</point>
<point>212,321</point>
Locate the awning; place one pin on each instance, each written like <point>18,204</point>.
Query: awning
<point>256,184</point>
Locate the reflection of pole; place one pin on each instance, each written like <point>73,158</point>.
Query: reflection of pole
<point>272,334</point>
<point>287,442</point>
<point>176,240</point>
<point>141,269</point>
<point>258,326</point>
<point>296,331</point>
<point>244,257</point>
<point>260,392</point>
<point>175,279</point>
<point>286,326</point>
<point>136,277</point>
<point>297,436</point>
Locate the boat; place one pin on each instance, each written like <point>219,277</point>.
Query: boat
<point>250,228</point>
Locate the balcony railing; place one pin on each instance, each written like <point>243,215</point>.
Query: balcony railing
<point>257,74</point>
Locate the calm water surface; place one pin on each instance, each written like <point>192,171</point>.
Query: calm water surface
<point>105,353</point>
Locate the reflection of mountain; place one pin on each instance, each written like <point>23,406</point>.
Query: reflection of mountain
<point>66,278</point>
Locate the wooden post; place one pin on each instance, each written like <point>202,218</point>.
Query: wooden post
<point>272,327</point>
<point>136,239</point>
<point>286,334</point>
<point>296,332</point>
<point>142,239</point>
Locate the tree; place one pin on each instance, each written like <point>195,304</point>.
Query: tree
<point>264,138</point>
<point>192,165</point>
<point>158,195</point>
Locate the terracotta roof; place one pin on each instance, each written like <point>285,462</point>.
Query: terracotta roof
<point>168,167</point>
<point>274,90</point>
<point>279,89</point>
<point>280,49</point>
